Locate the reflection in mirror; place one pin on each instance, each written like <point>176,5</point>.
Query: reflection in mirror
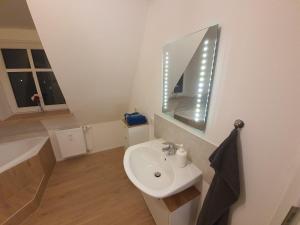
<point>188,67</point>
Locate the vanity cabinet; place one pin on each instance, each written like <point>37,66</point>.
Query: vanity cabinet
<point>179,209</point>
<point>135,134</point>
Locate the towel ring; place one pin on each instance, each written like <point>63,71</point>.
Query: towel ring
<point>239,124</point>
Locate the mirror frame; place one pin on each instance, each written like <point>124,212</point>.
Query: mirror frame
<point>197,123</point>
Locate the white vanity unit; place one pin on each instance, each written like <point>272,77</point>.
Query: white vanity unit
<point>135,134</point>
<point>168,190</point>
<point>178,209</point>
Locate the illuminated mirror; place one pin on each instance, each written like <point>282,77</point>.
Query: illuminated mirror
<point>188,69</point>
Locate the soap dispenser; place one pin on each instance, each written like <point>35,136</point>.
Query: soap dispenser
<point>181,156</point>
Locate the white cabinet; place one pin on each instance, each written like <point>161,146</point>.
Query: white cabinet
<point>71,142</point>
<point>179,209</point>
<point>135,134</point>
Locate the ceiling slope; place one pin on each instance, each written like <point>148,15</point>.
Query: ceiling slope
<point>93,47</point>
<point>15,14</point>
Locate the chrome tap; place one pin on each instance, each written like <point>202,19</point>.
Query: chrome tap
<point>170,149</point>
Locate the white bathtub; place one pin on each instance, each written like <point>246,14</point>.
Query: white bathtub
<point>15,152</point>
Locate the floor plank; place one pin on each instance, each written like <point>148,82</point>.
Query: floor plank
<point>91,190</point>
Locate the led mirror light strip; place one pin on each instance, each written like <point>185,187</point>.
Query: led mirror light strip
<point>210,80</point>
<point>165,83</point>
<point>201,81</point>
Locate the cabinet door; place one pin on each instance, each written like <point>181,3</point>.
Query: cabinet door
<point>71,142</point>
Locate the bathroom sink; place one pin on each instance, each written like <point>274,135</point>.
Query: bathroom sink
<point>156,174</point>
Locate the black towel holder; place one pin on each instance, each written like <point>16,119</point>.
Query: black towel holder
<point>238,124</point>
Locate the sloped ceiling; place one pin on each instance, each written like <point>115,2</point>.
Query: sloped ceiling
<point>15,14</point>
<point>93,47</point>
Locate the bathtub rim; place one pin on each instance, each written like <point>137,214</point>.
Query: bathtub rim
<point>27,155</point>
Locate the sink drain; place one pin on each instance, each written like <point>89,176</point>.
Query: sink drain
<point>157,174</point>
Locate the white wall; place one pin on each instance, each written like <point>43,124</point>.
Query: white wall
<point>5,110</point>
<point>291,196</point>
<point>257,79</point>
<point>18,35</point>
<point>15,13</point>
<point>105,136</point>
<point>93,47</point>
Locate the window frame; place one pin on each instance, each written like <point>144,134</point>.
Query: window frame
<point>4,78</point>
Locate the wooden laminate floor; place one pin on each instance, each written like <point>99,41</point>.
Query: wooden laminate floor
<point>91,190</point>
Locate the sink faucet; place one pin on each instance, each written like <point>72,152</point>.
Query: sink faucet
<point>170,149</point>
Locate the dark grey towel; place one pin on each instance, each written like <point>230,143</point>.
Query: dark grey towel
<point>225,187</point>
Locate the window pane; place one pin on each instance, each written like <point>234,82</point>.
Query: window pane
<point>40,59</point>
<point>15,58</point>
<point>23,87</point>
<point>51,92</point>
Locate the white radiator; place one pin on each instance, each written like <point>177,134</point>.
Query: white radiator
<point>71,142</point>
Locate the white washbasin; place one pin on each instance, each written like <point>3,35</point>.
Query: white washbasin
<point>156,174</point>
